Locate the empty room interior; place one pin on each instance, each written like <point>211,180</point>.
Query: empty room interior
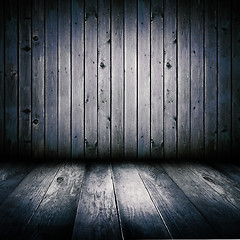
<point>119,119</point>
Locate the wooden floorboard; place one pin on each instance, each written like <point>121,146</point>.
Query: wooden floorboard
<point>10,177</point>
<point>232,171</point>
<point>181,217</point>
<point>218,212</point>
<point>139,218</point>
<point>21,204</point>
<point>119,201</point>
<point>97,213</point>
<point>55,215</point>
<point>224,186</point>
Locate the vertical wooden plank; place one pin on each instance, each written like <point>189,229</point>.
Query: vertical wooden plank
<point>197,75</point>
<point>157,79</point>
<point>1,78</point>
<point>143,79</point>
<point>170,117</point>
<point>210,78</point>
<point>183,79</point>
<point>104,79</point>
<point>64,80</point>
<point>235,79</point>
<point>51,61</point>
<point>91,79</point>
<point>38,79</point>
<point>25,78</point>
<point>77,79</point>
<point>130,56</point>
<point>224,78</point>
<point>117,79</point>
<point>11,78</point>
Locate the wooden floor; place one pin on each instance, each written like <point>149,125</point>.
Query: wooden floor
<point>119,201</point>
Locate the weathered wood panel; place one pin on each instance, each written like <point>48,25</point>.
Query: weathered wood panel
<point>210,78</point>
<point>91,79</point>
<point>197,79</point>
<point>104,41</point>
<point>11,78</point>
<point>64,79</point>
<point>157,79</point>
<point>77,79</point>
<point>130,56</point>
<point>117,79</point>
<point>184,77</point>
<point>2,79</point>
<point>235,79</point>
<point>224,78</point>
<point>170,79</point>
<point>38,110</point>
<point>144,79</point>
<point>25,77</point>
<point>51,76</point>
<point>120,79</point>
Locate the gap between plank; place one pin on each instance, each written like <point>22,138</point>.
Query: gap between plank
<point>116,202</point>
<point>159,213</point>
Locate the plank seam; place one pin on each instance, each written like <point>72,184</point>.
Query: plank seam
<point>79,196</point>
<point>158,211</point>
<point>199,210</point>
<point>116,203</point>
<point>34,212</point>
<point>225,199</point>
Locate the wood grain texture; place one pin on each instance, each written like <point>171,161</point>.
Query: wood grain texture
<point>210,79</point>
<point>197,80</point>
<point>25,78</point>
<point>120,79</point>
<point>104,115</point>
<point>232,171</point>
<point>38,79</point>
<point>144,79</point>
<point>51,79</point>
<point>184,78</point>
<point>235,79</point>
<point>10,177</point>
<point>77,79</point>
<point>170,79</point>
<point>172,204</point>
<point>21,204</point>
<point>117,80</point>
<point>96,216</point>
<point>139,218</point>
<point>2,79</point>
<point>11,79</point>
<point>64,79</point>
<point>157,66</point>
<point>91,79</point>
<point>228,189</point>
<point>130,56</point>
<point>224,79</point>
<point>54,218</point>
<point>218,212</point>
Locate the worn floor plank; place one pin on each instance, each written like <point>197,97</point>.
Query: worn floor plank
<point>227,188</point>
<point>10,177</point>
<point>218,212</point>
<point>139,218</point>
<point>55,216</point>
<point>96,216</point>
<point>230,170</point>
<point>20,205</point>
<point>181,217</point>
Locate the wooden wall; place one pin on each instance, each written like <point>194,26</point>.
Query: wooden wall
<point>108,78</point>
